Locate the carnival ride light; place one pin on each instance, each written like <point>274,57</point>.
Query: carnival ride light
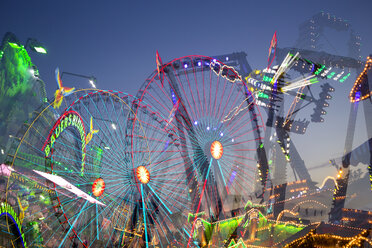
<point>143,174</point>
<point>35,46</point>
<point>216,149</point>
<point>91,81</point>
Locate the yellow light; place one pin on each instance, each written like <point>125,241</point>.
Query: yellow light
<point>216,149</point>
<point>143,174</point>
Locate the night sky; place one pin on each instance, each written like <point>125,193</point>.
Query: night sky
<point>116,42</point>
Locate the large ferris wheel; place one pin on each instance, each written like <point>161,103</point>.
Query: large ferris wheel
<point>92,175</point>
<point>217,127</point>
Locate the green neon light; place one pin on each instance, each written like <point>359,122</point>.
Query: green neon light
<point>308,61</point>
<point>319,70</point>
<point>314,80</point>
<point>331,74</point>
<point>263,95</point>
<point>266,79</point>
<point>5,208</point>
<point>14,45</point>
<point>344,78</point>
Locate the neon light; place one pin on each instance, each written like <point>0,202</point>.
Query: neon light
<point>91,132</point>
<point>23,209</point>
<point>344,77</point>
<point>224,71</point>
<point>263,95</point>
<point>331,178</point>
<point>216,149</point>
<point>143,174</point>
<point>331,74</point>
<point>69,118</point>
<point>98,187</point>
<point>362,79</point>
<point>285,211</point>
<point>159,68</point>
<point>6,209</point>
<point>14,45</point>
<point>236,110</point>
<point>266,78</point>
<point>61,92</point>
<point>319,70</point>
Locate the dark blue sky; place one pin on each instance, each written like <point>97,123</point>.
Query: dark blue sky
<point>116,42</point>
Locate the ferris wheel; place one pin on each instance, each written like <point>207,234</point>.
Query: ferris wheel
<point>86,175</point>
<point>210,114</point>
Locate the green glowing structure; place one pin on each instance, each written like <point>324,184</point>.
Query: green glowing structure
<point>21,92</point>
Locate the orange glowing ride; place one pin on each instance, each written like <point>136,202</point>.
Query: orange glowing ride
<point>61,92</point>
<point>216,149</point>
<point>98,187</point>
<point>143,174</point>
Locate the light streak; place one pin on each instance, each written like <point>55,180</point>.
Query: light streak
<point>285,211</point>
<point>300,82</point>
<point>329,177</point>
<point>224,71</point>
<point>68,186</point>
<point>285,66</point>
<point>237,110</point>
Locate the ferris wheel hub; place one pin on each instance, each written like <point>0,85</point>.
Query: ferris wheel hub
<point>216,149</point>
<point>143,174</point>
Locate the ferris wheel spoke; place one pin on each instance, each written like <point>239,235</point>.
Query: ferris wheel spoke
<point>165,206</point>
<point>215,96</point>
<point>90,114</point>
<point>183,91</point>
<point>192,94</point>
<point>113,138</point>
<point>225,103</point>
<point>222,175</point>
<point>197,90</point>
<point>112,155</point>
<point>103,209</point>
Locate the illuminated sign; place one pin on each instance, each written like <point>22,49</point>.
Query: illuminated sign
<point>68,119</point>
